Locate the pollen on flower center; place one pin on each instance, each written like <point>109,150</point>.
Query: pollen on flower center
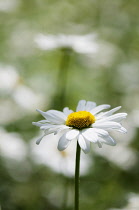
<point>81,119</point>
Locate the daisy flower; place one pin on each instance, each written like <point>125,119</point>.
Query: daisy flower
<point>84,44</point>
<point>87,124</point>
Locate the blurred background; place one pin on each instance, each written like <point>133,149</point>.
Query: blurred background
<point>53,54</point>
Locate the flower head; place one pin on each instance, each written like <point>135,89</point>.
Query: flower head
<point>87,124</point>
<point>85,44</point>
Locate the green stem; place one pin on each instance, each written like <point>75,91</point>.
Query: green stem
<point>60,96</point>
<point>63,75</point>
<point>77,172</point>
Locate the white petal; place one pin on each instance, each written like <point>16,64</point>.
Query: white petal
<point>87,149</point>
<point>108,140</point>
<point>104,137</point>
<point>63,142</point>
<point>116,117</point>
<point>54,116</point>
<point>90,134</point>
<point>101,132</point>
<point>99,144</point>
<point>90,105</point>
<point>83,144</point>
<point>39,140</point>
<point>63,128</point>
<point>99,108</point>
<point>37,124</point>
<point>47,126</point>
<point>72,134</point>
<point>46,42</point>
<point>67,111</point>
<point>108,113</point>
<point>58,128</point>
<point>47,132</point>
<point>43,121</point>
<point>41,112</point>
<point>107,125</point>
<point>81,105</point>
<point>122,130</point>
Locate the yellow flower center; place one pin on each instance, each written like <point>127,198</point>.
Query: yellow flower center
<point>81,119</point>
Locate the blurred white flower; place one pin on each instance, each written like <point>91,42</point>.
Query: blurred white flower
<point>15,95</point>
<point>127,75</point>
<point>12,146</point>
<point>133,203</point>
<point>79,43</point>
<point>105,56</point>
<point>19,98</point>
<point>123,156</point>
<point>88,124</point>
<point>8,77</point>
<point>11,83</point>
<point>20,40</point>
<point>14,151</point>
<point>8,5</point>
<point>26,98</point>
<point>6,106</point>
<point>59,161</point>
